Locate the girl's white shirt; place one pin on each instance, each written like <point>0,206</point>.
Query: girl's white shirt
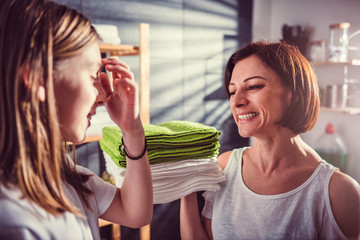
<point>22,219</point>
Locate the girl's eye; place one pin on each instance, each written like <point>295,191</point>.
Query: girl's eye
<point>94,79</point>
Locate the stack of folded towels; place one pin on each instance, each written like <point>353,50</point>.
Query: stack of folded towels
<point>182,157</point>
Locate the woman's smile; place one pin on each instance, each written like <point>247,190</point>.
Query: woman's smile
<point>248,115</point>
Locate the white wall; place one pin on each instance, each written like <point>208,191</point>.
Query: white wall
<point>268,19</point>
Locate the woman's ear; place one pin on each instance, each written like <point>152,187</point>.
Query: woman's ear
<point>25,73</point>
<point>288,97</point>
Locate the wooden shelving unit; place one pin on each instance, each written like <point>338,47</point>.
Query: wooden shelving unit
<point>119,50</point>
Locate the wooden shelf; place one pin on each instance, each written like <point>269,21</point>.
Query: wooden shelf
<point>347,110</point>
<point>354,62</point>
<point>329,63</point>
<point>119,50</point>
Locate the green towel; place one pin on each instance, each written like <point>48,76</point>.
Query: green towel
<point>169,141</point>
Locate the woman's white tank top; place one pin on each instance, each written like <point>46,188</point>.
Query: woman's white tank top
<point>303,213</point>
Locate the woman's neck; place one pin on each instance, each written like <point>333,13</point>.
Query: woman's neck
<point>279,152</point>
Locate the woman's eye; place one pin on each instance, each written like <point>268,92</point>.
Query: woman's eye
<point>232,93</point>
<point>256,86</point>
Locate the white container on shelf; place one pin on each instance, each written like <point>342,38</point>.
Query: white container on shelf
<point>318,51</point>
<point>336,95</point>
<point>353,93</point>
<point>108,33</point>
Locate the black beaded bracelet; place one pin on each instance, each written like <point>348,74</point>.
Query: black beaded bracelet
<point>130,157</point>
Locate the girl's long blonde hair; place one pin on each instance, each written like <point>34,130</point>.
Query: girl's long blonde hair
<point>35,35</point>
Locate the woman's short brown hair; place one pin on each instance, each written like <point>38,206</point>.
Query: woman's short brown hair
<point>295,72</point>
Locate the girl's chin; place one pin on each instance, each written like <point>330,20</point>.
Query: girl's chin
<point>77,138</point>
<point>75,134</point>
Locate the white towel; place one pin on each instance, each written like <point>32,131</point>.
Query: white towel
<point>173,180</point>
<point>108,33</point>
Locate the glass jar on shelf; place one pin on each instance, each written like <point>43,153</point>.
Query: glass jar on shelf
<point>338,44</point>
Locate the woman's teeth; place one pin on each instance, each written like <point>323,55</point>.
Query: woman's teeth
<point>247,116</point>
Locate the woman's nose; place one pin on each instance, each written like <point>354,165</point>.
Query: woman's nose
<point>239,99</point>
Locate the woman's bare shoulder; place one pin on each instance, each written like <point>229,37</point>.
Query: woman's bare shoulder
<point>344,184</point>
<point>223,159</point>
<point>344,194</point>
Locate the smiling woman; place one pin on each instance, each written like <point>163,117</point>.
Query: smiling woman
<point>49,90</point>
<point>257,97</point>
<point>294,72</point>
<point>279,187</point>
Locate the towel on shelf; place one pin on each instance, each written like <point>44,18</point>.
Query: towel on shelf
<point>173,180</point>
<point>167,142</point>
<point>108,33</point>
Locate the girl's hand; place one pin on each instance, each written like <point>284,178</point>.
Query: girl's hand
<point>132,205</point>
<point>122,102</point>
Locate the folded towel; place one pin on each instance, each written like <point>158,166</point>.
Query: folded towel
<point>182,191</point>
<point>169,141</point>
<point>166,184</point>
<point>173,180</point>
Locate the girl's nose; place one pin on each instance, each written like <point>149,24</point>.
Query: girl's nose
<point>101,96</point>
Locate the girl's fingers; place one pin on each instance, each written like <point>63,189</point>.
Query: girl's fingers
<point>124,84</point>
<point>119,71</point>
<point>114,61</point>
<point>118,68</point>
<point>123,78</point>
